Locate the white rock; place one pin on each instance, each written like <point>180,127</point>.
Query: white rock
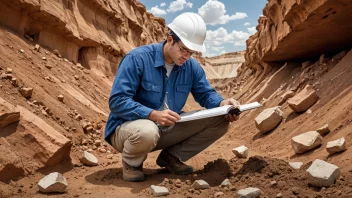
<point>200,184</point>
<point>306,141</point>
<point>60,97</point>
<point>336,146</point>
<point>159,190</point>
<point>54,182</point>
<point>324,129</point>
<point>296,165</point>
<point>248,193</point>
<point>322,174</point>
<point>89,159</point>
<point>241,152</point>
<point>225,183</point>
<point>268,119</point>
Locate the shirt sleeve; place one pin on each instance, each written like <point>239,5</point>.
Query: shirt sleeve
<point>124,88</point>
<point>202,91</point>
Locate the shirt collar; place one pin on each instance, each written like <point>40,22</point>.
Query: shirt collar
<point>159,57</point>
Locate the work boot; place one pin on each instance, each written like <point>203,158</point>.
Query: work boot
<point>173,164</point>
<point>132,174</point>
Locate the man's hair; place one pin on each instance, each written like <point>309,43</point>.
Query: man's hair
<point>175,38</point>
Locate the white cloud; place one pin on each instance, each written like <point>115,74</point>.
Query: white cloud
<point>216,38</point>
<point>251,30</point>
<point>223,52</point>
<point>247,24</point>
<point>157,11</point>
<point>213,12</point>
<point>162,4</point>
<point>179,5</point>
<point>217,49</point>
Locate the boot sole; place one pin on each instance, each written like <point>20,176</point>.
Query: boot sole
<point>163,163</point>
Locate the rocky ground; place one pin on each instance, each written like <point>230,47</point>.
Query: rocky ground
<point>53,108</point>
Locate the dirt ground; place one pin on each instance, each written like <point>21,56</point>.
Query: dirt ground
<point>266,168</point>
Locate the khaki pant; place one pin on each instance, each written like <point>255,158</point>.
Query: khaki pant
<point>135,139</point>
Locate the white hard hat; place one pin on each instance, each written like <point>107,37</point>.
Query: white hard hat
<point>191,29</point>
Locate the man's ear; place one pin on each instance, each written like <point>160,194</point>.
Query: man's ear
<point>169,39</point>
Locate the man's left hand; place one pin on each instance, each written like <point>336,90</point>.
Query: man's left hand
<point>230,101</point>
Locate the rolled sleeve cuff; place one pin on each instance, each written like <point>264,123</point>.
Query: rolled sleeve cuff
<point>144,112</point>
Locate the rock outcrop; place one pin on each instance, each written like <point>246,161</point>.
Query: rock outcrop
<point>95,33</point>
<point>286,30</point>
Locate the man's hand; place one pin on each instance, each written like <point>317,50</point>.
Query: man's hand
<point>164,118</point>
<point>230,101</point>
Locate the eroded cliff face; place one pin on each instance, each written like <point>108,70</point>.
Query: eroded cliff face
<point>291,36</point>
<point>299,30</point>
<point>96,34</point>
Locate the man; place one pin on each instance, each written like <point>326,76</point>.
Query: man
<point>150,89</point>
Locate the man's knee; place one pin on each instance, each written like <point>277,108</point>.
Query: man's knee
<point>146,134</point>
<point>220,124</point>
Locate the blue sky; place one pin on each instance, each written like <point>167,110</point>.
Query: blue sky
<point>229,22</point>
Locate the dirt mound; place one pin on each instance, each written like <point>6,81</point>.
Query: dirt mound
<point>272,176</point>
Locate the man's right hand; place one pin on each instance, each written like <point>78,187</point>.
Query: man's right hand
<point>164,118</point>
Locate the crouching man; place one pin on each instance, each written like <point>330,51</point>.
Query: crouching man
<point>150,89</point>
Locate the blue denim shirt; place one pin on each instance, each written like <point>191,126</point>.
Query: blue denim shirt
<point>141,83</point>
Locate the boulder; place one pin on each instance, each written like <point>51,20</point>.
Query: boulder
<point>54,182</point>
<point>303,100</point>
<point>241,152</point>
<point>296,165</point>
<point>268,119</point>
<point>336,146</point>
<point>322,174</point>
<point>306,141</point>
<point>323,130</point>
<point>8,113</point>
<point>159,190</point>
<point>200,184</point>
<point>89,159</point>
<point>26,92</point>
<point>248,193</point>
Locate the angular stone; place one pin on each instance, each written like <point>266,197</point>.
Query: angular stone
<point>303,100</point>
<point>36,47</point>
<point>159,190</point>
<point>248,193</point>
<point>14,82</point>
<point>8,113</point>
<point>336,146</point>
<point>287,95</point>
<point>48,66</point>
<point>296,165</point>
<point>60,98</point>
<point>323,130</point>
<point>54,182</point>
<point>322,174</point>
<point>225,183</point>
<point>241,152</point>
<point>52,146</point>
<point>26,92</point>
<point>89,159</point>
<point>8,71</point>
<point>200,184</point>
<point>306,141</point>
<point>268,119</point>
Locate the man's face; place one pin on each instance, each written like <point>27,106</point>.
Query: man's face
<point>178,52</point>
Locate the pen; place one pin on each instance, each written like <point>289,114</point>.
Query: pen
<point>166,105</point>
